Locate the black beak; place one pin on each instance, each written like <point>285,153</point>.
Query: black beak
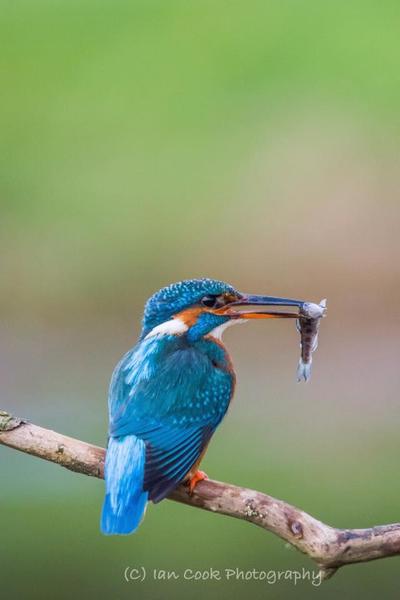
<point>255,300</point>
<point>270,301</point>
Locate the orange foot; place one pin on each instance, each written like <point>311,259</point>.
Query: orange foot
<point>193,481</point>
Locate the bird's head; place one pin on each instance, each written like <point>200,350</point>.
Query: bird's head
<point>198,307</point>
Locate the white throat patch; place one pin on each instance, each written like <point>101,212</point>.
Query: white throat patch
<point>171,327</point>
<point>177,326</point>
<point>218,331</point>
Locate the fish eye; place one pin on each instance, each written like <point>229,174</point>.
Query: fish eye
<point>210,301</point>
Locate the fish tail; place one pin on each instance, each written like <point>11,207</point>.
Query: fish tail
<point>125,501</point>
<point>303,370</point>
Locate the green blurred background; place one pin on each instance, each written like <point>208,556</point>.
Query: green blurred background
<point>144,142</point>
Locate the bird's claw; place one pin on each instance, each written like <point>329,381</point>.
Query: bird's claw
<point>193,481</point>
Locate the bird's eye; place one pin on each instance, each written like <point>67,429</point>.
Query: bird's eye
<point>210,301</point>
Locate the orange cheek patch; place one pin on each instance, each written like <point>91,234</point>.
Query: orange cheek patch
<point>189,316</point>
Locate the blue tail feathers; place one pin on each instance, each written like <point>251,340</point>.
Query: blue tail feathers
<point>125,501</point>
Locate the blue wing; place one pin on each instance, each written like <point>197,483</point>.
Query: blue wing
<point>172,396</point>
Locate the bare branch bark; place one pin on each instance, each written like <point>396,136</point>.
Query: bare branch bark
<point>328,546</point>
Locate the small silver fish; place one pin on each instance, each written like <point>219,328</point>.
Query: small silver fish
<point>307,325</point>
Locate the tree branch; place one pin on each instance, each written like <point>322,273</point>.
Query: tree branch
<point>328,546</point>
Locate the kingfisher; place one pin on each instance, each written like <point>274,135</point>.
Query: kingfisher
<point>169,393</point>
